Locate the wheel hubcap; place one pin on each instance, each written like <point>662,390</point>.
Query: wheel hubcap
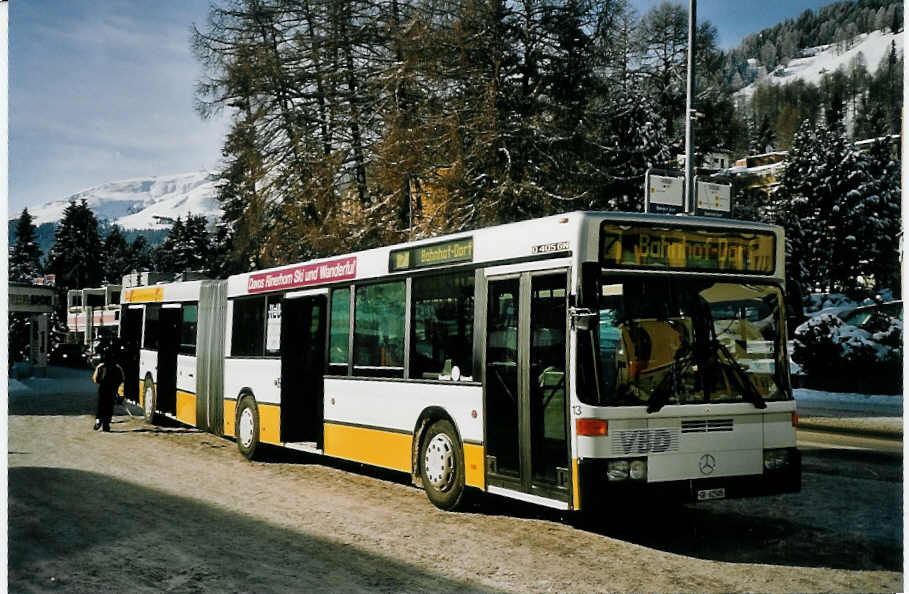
<point>439,462</point>
<point>246,427</point>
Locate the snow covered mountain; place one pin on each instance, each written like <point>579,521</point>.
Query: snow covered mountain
<point>142,203</point>
<point>820,60</point>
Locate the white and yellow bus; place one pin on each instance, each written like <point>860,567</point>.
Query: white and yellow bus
<point>560,361</point>
<point>91,314</point>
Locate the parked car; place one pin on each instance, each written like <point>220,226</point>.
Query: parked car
<point>69,355</point>
<point>860,316</point>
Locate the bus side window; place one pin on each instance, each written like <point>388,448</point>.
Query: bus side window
<point>339,332</point>
<point>248,333</point>
<point>442,328</point>
<point>152,327</point>
<point>188,329</point>
<point>379,330</point>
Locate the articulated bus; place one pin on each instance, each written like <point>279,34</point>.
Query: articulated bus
<point>91,314</point>
<point>561,361</point>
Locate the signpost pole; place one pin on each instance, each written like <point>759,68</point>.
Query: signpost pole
<point>689,111</point>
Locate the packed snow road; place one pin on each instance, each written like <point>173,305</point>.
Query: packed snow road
<point>168,508</point>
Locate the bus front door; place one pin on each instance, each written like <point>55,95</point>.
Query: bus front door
<point>526,411</point>
<point>302,367</point>
<point>130,337</point>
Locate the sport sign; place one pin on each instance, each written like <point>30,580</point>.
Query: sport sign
<point>303,275</point>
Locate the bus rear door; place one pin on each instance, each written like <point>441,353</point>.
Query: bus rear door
<point>302,366</point>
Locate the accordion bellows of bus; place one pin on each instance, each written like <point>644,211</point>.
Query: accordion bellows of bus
<point>563,361</point>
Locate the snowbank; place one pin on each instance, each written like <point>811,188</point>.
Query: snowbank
<point>881,405</point>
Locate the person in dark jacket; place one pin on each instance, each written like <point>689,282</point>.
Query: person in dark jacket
<point>108,375</point>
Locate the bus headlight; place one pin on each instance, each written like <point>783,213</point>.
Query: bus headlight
<point>776,459</point>
<point>617,470</point>
<point>620,470</point>
<point>638,470</point>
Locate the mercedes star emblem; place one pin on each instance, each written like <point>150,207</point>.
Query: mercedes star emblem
<point>707,463</point>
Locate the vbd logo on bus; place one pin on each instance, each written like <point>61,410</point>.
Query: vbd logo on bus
<point>303,275</point>
<point>646,441</point>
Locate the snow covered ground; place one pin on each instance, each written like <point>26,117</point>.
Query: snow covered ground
<point>850,413</point>
<point>844,404</point>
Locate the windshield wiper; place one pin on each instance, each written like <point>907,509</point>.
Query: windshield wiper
<point>667,388</point>
<point>740,376</point>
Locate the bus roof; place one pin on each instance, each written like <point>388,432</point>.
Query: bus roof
<point>572,235</point>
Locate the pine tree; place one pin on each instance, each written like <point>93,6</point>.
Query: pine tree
<point>24,255</point>
<point>840,209</point>
<point>876,217</point>
<point>187,246</point>
<point>75,257</point>
<point>241,230</point>
<point>766,138</point>
<point>141,256</point>
<point>116,256</point>
<point>663,43</point>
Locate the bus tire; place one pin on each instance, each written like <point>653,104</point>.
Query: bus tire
<point>149,401</point>
<point>247,427</point>
<point>442,466</point>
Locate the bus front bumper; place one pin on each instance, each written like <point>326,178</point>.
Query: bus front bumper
<point>596,489</point>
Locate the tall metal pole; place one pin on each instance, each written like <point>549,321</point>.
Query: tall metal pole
<point>689,111</point>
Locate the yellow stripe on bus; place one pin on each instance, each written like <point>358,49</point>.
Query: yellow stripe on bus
<point>186,408</point>
<point>575,488</point>
<point>230,413</point>
<point>270,423</point>
<point>473,465</point>
<point>371,446</point>
<point>144,294</point>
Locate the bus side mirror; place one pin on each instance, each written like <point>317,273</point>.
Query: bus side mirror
<point>583,319</point>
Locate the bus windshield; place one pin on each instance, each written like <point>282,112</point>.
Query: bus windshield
<point>662,341</point>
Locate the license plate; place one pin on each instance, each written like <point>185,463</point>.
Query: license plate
<point>707,494</point>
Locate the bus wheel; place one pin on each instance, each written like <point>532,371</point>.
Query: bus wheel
<point>248,427</point>
<point>148,401</point>
<point>442,466</point>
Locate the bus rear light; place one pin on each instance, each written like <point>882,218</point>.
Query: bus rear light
<point>592,427</point>
<point>795,419</point>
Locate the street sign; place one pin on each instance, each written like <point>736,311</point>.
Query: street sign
<point>664,191</point>
<point>713,198</point>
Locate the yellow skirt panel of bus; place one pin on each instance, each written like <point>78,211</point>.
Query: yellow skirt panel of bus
<point>371,446</point>
<point>230,414</point>
<point>142,393</point>
<point>186,407</point>
<point>270,423</point>
<point>473,465</point>
<point>576,491</point>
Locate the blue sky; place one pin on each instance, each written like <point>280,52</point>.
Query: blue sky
<point>102,90</point>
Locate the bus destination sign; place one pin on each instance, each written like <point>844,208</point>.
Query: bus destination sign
<point>684,248</point>
<point>422,256</point>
